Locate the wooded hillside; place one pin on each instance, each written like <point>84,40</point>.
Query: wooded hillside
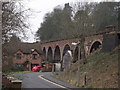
<point>78,19</point>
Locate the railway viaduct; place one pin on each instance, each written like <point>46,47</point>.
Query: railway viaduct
<point>55,50</point>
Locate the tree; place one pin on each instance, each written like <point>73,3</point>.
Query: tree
<point>94,16</point>
<point>51,27</point>
<point>57,24</point>
<point>67,23</point>
<point>87,17</point>
<point>83,19</point>
<point>15,39</point>
<point>13,19</point>
<point>104,14</point>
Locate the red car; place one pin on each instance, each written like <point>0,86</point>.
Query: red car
<point>36,68</point>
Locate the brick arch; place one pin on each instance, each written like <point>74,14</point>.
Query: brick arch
<point>44,48</point>
<point>57,54</point>
<point>96,43</point>
<point>66,47</point>
<point>50,54</point>
<point>75,55</point>
<point>44,53</point>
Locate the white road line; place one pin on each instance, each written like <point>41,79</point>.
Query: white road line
<point>40,76</point>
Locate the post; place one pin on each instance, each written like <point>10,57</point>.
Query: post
<point>53,69</point>
<point>81,56</point>
<point>85,80</point>
<point>29,66</point>
<point>78,73</point>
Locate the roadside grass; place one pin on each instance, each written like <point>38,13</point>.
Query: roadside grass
<point>10,73</point>
<point>86,86</point>
<point>101,70</point>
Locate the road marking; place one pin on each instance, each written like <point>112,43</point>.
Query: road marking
<point>40,76</point>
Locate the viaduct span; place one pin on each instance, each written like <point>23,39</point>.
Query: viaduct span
<point>55,50</point>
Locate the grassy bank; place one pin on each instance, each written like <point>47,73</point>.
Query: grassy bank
<point>100,71</point>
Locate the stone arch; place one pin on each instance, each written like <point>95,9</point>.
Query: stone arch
<point>66,48</point>
<point>66,57</point>
<point>95,45</point>
<point>44,53</point>
<point>75,54</point>
<point>49,55</point>
<point>57,54</point>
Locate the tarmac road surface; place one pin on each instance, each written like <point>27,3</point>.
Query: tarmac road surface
<point>42,80</point>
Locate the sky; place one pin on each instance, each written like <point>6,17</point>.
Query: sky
<point>39,8</point>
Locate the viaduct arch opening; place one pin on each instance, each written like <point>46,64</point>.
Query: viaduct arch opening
<point>95,46</point>
<point>49,55</point>
<point>44,54</point>
<point>75,56</point>
<point>65,61</point>
<point>57,54</point>
<point>66,48</point>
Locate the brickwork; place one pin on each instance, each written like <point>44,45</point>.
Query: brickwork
<point>27,57</point>
<point>9,82</point>
<point>61,45</point>
<point>89,41</point>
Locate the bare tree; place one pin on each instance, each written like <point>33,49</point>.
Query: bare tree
<point>13,19</point>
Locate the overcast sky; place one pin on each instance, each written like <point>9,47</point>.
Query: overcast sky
<point>39,9</point>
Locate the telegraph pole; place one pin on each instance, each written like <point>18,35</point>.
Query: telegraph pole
<point>78,73</point>
<point>81,56</point>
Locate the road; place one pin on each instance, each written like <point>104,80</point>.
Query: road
<point>34,80</point>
